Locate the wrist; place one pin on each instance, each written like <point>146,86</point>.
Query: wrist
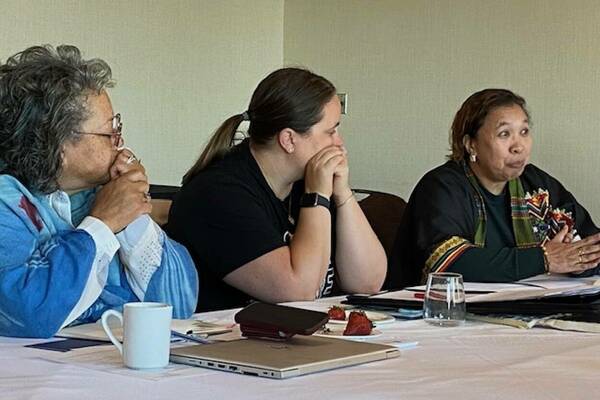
<point>342,195</point>
<point>546,261</point>
<point>325,193</point>
<point>344,200</point>
<point>314,199</point>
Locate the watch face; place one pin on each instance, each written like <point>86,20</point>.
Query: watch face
<point>313,200</point>
<point>310,200</point>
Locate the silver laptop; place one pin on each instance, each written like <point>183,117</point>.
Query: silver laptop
<point>272,359</point>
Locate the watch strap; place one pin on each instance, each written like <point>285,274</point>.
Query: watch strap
<point>313,200</point>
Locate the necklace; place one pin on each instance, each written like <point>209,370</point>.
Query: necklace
<point>289,210</point>
<point>291,219</point>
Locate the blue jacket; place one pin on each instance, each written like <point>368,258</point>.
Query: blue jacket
<point>45,263</point>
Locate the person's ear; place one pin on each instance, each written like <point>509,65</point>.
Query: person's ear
<point>287,140</point>
<point>468,144</point>
<point>63,158</point>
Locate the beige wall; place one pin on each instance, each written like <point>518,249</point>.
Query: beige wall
<point>408,65</point>
<point>181,67</point>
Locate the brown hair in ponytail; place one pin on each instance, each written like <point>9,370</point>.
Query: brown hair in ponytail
<point>217,147</point>
<point>287,98</point>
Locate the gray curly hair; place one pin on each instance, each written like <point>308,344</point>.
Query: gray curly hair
<point>43,94</point>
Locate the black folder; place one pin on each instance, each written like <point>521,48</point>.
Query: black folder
<point>583,307</point>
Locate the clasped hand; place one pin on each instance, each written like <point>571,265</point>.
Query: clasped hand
<point>566,256</point>
<point>125,197</point>
<point>327,173</point>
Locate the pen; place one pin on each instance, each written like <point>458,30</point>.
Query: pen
<point>191,338</point>
<point>432,295</point>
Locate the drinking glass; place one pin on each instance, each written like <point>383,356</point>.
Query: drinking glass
<point>444,301</point>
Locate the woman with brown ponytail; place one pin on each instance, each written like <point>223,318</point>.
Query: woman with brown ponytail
<point>273,218</point>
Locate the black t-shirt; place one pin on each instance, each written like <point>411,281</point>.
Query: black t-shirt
<point>227,216</point>
<point>499,230</point>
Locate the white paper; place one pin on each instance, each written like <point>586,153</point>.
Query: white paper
<point>95,331</point>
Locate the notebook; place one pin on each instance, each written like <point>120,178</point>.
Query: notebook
<point>299,355</point>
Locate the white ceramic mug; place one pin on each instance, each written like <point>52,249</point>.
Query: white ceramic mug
<point>146,334</point>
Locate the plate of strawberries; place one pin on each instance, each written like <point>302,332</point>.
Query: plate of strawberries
<point>358,327</point>
<point>340,316</point>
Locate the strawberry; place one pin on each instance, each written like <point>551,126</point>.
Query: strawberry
<point>358,324</point>
<point>337,313</point>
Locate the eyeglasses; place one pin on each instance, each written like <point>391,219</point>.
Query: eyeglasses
<point>116,134</point>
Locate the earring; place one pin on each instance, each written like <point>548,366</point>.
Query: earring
<point>473,157</point>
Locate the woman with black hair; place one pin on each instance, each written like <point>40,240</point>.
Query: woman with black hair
<point>488,213</point>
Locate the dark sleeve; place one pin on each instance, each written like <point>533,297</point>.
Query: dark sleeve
<point>225,225</point>
<point>499,265</point>
<point>440,214</point>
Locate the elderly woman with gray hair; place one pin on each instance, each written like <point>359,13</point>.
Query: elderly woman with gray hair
<point>75,235</point>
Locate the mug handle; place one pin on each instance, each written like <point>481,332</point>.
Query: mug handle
<point>105,316</point>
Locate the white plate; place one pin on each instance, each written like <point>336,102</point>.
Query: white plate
<point>338,332</point>
<point>376,318</point>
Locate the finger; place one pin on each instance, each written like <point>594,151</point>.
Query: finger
<point>330,153</point>
<point>118,166</point>
<point>141,187</point>
<point>323,163</point>
<point>568,238</point>
<point>135,190</point>
<point>591,249</point>
<point>341,169</point>
<point>588,265</point>
<point>560,236</point>
<point>592,239</point>
<point>327,153</point>
<point>333,162</point>
<point>343,162</point>
<point>586,257</point>
<point>113,172</point>
<point>136,174</point>
<point>121,165</point>
<point>127,153</point>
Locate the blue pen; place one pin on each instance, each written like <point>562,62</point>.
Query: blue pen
<point>191,338</point>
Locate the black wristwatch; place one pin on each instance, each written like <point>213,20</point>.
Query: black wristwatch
<point>313,200</point>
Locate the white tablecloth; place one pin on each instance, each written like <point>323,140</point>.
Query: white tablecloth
<point>474,361</point>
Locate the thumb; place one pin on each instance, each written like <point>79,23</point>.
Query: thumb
<point>568,237</point>
<point>560,236</point>
<point>116,170</point>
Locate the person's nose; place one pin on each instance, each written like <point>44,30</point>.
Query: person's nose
<point>517,145</point>
<point>338,140</point>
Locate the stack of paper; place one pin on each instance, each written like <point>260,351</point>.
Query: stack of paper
<point>559,321</point>
<point>94,331</point>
